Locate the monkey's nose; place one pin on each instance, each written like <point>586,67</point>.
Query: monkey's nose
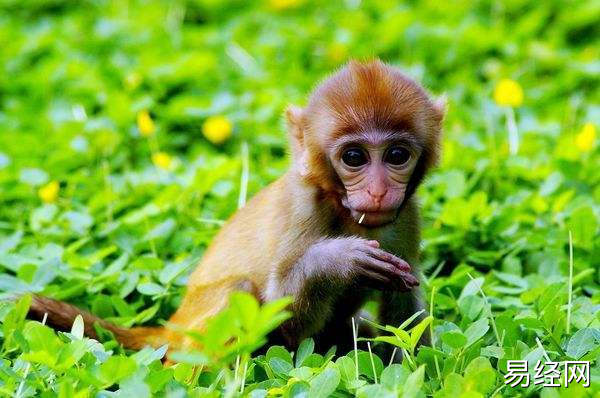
<point>377,196</point>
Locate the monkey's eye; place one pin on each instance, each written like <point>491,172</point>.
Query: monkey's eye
<point>397,156</point>
<point>354,157</point>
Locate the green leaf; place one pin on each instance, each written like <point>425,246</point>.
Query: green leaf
<point>471,288</point>
<point>77,328</point>
<point>477,330</point>
<point>325,383</point>
<point>162,230</point>
<point>41,338</point>
<point>13,321</point>
<point>418,330</point>
<point>280,352</point>
<point>394,341</point>
<point>116,368</point>
<point>394,376</point>
<point>480,375</point>
<point>583,223</point>
<point>375,390</point>
<point>116,266</point>
<point>454,339</point>
<point>148,263</point>
<point>365,367</point>
<point>302,373</point>
<point>246,309</point>
<point>493,352</point>
<point>347,368</point>
<point>174,269</point>
<point>150,288</point>
<point>471,306</point>
<point>314,360</point>
<point>280,366</point>
<point>144,315</point>
<point>299,390</point>
<point>414,382</point>
<point>410,319</point>
<point>304,350</point>
<point>147,355</point>
<point>583,341</point>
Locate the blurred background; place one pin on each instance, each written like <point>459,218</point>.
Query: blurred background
<point>130,130</point>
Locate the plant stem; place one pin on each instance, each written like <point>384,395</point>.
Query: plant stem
<point>354,333</point>
<point>435,360</point>
<point>513,132</point>
<point>570,282</point>
<point>539,343</point>
<point>372,362</point>
<point>393,355</point>
<point>490,315</point>
<point>244,177</point>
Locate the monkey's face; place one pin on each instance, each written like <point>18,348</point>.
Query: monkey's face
<point>375,168</point>
<point>369,134</point>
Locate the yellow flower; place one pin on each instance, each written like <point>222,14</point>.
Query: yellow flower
<point>217,129</point>
<point>162,160</point>
<point>285,4</point>
<point>508,93</point>
<point>49,192</point>
<point>586,138</point>
<point>145,124</point>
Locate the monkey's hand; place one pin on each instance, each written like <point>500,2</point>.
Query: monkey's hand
<point>353,260</point>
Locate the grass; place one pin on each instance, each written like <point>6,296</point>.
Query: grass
<point>130,130</point>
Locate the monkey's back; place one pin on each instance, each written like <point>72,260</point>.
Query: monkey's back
<point>241,248</point>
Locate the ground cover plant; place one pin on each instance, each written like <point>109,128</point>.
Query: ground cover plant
<point>130,130</point>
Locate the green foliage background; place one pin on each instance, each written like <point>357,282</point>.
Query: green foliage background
<point>122,234</point>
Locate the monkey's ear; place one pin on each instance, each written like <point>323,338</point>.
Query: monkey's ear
<point>440,104</point>
<point>295,122</point>
<point>294,115</point>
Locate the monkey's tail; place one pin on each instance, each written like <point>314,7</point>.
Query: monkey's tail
<point>61,315</point>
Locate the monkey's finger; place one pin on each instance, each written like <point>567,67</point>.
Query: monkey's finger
<point>402,286</point>
<point>376,280</point>
<point>410,279</point>
<point>383,268</point>
<point>390,258</point>
<point>406,282</point>
<point>373,243</point>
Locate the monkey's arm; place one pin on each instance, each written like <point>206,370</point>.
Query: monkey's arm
<point>324,271</point>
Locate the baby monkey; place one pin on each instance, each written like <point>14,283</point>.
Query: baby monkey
<point>339,227</point>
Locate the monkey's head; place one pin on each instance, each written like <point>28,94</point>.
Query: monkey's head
<point>366,138</point>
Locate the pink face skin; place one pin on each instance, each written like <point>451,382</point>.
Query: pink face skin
<point>375,168</point>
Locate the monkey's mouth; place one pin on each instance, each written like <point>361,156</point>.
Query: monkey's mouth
<point>373,218</point>
<point>370,218</point>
